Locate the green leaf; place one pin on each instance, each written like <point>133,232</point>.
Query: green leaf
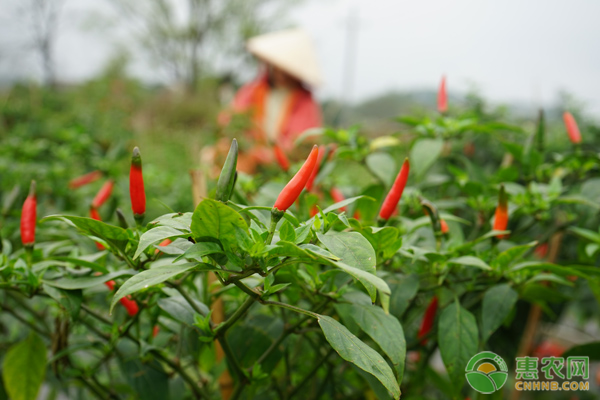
<point>511,255</point>
<point>216,220</point>
<point>368,280</point>
<point>155,236</point>
<point>498,302</point>
<point>555,268</point>
<point>586,234</point>
<point>148,380</point>
<point>179,309</point>
<point>154,276</point>
<point>591,350</point>
<point>85,282</point>
<point>286,232</point>
<point>424,153</point>
<point>70,300</point>
<point>113,235</point>
<point>354,250</point>
<point>346,202</point>
<point>458,339</point>
<point>24,368</point>
<point>384,329</point>
<point>201,249</point>
<point>470,261</point>
<point>82,263</point>
<point>383,166</point>
<point>353,350</point>
<point>403,291</point>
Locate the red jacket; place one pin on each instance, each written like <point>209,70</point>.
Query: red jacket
<point>301,112</point>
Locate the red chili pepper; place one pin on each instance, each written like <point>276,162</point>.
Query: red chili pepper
<point>94,214</point>
<point>136,185</point>
<point>428,319</point>
<point>85,179</point>
<point>356,214</point>
<point>393,197</point>
<point>165,242</point>
<point>103,194</point>
<point>29,218</point>
<point>315,171</point>
<point>281,158</point>
<point>442,98</point>
<point>572,128</point>
<point>444,226</point>
<point>292,190</point>
<point>155,331</point>
<point>541,251</point>
<point>501,216</point>
<point>129,304</point>
<point>337,196</point>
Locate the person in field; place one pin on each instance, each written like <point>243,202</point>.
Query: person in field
<point>278,101</point>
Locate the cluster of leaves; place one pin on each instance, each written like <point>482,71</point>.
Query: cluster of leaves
<point>317,306</point>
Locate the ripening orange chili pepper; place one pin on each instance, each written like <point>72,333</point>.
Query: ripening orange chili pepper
<point>444,226</point>
<point>29,217</point>
<point>393,197</point>
<point>165,242</point>
<point>572,128</point>
<point>103,194</point>
<point>85,179</point>
<point>281,158</point>
<point>428,320</point>
<point>136,186</point>
<point>442,98</point>
<point>292,190</point>
<point>501,216</point>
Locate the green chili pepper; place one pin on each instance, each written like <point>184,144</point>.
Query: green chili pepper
<point>227,177</point>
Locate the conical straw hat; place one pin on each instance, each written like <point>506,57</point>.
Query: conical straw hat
<point>291,50</point>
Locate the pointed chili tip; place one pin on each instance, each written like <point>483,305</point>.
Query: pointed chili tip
<point>32,188</point>
<point>136,157</point>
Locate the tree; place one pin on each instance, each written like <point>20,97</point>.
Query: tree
<point>44,19</point>
<point>190,38</point>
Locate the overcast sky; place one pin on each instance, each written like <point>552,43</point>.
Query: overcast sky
<point>525,50</point>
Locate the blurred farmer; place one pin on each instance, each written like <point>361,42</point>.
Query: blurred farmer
<point>278,102</point>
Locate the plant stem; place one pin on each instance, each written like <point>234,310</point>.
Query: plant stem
<point>23,320</point>
<point>187,298</point>
<point>290,307</point>
<point>222,328</point>
<point>310,374</point>
<point>232,360</point>
<point>275,218</point>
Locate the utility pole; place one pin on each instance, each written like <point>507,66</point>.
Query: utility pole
<point>349,68</point>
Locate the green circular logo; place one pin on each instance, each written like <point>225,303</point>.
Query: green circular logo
<point>486,372</point>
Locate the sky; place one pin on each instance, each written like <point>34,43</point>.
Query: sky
<point>510,50</point>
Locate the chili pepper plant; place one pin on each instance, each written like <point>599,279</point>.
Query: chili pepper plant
<point>413,251</point>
